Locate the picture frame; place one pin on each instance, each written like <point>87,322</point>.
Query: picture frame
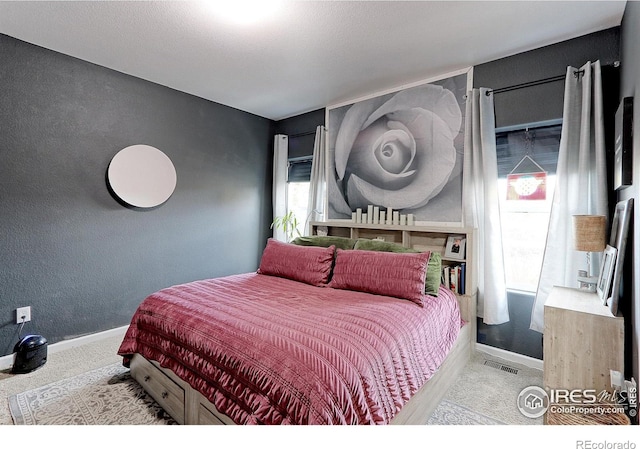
<point>603,287</point>
<point>618,239</point>
<point>623,151</point>
<point>455,247</point>
<point>428,182</point>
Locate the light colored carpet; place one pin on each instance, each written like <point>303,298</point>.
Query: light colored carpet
<point>493,392</point>
<point>483,394</point>
<point>108,395</point>
<point>103,396</point>
<point>60,365</point>
<point>452,414</point>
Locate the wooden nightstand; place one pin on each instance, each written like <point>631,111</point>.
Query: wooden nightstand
<point>582,341</point>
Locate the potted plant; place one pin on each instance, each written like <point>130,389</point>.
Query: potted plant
<point>289,224</point>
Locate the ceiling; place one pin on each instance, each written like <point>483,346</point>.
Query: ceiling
<point>310,55</point>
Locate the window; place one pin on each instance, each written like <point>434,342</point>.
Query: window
<point>524,216</point>
<point>298,180</point>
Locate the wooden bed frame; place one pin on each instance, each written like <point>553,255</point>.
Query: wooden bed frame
<point>188,406</point>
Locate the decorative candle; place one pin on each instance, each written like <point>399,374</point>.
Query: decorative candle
<point>369,214</point>
<point>353,217</point>
<point>376,214</point>
<point>389,215</point>
<point>383,217</point>
<point>396,217</point>
<point>410,220</point>
<point>403,220</point>
<point>358,215</point>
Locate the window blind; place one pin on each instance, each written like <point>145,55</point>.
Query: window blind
<point>542,147</point>
<point>299,169</point>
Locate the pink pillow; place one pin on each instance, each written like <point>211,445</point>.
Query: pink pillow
<point>401,275</point>
<point>308,264</point>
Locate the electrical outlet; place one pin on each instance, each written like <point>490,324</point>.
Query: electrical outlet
<point>23,312</point>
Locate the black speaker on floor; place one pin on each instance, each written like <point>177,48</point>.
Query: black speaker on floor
<point>30,354</point>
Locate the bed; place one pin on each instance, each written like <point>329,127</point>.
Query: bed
<point>315,336</point>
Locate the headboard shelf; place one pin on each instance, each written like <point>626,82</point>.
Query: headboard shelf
<point>410,228</point>
<point>422,238</point>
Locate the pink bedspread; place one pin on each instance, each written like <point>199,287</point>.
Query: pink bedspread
<point>267,350</point>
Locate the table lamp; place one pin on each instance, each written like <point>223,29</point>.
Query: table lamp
<point>589,235</point>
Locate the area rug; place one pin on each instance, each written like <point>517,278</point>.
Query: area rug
<point>110,396</point>
<point>450,413</point>
<point>104,396</point>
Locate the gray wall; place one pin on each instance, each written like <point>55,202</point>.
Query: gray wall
<point>630,86</point>
<point>535,104</point>
<point>301,130</point>
<point>544,101</point>
<point>68,249</point>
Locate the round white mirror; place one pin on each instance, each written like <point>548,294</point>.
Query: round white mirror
<point>142,176</point>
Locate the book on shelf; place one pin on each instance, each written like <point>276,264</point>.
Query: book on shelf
<point>446,276</point>
<point>454,278</point>
<point>453,282</point>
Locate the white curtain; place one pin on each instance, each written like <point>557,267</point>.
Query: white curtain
<point>280,163</point>
<point>481,205</point>
<point>581,183</point>
<point>317,185</point>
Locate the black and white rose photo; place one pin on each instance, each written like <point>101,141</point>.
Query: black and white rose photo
<point>402,150</point>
